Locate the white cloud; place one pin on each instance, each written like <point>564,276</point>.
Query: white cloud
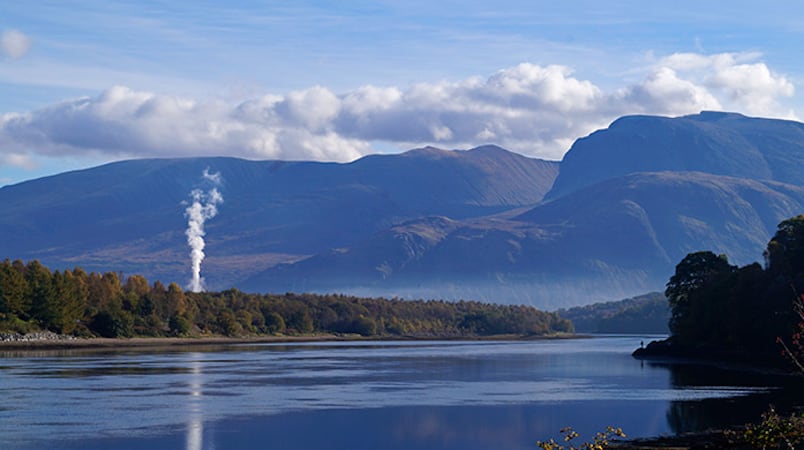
<point>366,100</point>
<point>742,82</point>
<point>663,92</point>
<point>14,44</point>
<point>313,109</point>
<point>528,85</point>
<point>753,86</point>
<point>536,110</point>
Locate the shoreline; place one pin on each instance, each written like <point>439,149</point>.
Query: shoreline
<point>70,343</point>
<point>664,352</point>
<point>710,439</point>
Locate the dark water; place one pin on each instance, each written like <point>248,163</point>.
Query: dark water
<point>379,395</point>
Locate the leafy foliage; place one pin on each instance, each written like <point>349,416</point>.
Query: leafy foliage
<point>601,440</point>
<point>743,311</point>
<point>693,274</point>
<point>785,252</point>
<point>740,309</point>
<point>773,431</point>
<point>84,304</point>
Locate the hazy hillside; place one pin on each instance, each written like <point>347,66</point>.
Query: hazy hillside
<point>129,216</point>
<point>655,219</point>
<point>612,240</point>
<point>648,313</point>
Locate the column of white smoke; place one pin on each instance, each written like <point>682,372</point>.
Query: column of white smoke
<point>204,206</point>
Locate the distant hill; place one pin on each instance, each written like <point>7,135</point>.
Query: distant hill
<point>648,313</point>
<point>129,216</point>
<point>711,142</point>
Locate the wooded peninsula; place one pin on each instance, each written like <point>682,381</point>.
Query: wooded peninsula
<point>74,302</point>
<point>751,314</point>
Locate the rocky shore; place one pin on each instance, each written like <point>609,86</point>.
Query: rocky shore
<point>52,341</point>
<point>39,336</point>
<point>669,350</point>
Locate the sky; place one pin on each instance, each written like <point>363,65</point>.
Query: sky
<point>84,83</point>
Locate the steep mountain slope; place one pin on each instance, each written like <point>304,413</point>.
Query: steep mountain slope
<point>620,237</point>
<point>129,216</point>
<point>655,219</point>
<point>712,142</point>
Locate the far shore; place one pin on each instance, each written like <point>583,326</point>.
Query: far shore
<point>179,342</point>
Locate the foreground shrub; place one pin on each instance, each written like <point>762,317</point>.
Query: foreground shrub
<point>601,440</point>
<point>773,431</point>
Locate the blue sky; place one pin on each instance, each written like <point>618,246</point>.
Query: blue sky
<point>89,82</point>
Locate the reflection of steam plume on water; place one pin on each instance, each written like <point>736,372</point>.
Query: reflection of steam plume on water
<point>195,424</point>
<point>204,207</point>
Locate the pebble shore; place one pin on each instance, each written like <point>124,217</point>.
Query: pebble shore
<point>35,337</point>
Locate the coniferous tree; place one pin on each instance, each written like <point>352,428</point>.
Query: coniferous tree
<point>71,294</point>
<point>14,297</point>
<point>44,305</point>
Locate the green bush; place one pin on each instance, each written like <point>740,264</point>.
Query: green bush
<point>14,324</point>
<point>179,325</point>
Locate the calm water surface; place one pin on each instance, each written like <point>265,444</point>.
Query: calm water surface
<point>370,395</point>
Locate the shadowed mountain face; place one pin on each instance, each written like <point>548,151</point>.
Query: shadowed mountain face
<point>129,216</point>
<point>712,142</point>
<point>630,202</point>
<point>607,241</point>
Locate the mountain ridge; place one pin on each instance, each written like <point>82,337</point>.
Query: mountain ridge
<point>484,223</point>
<point>273,211</point>
<point>614,230</point>
<point>713,142</point>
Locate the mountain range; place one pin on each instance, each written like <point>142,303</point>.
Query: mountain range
<point>609,221</point>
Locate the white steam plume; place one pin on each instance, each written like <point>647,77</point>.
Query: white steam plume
<point>204,207</point>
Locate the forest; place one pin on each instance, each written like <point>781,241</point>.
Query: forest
<point>721,310</point>
<point>74,302</point>
<point>644,314</point>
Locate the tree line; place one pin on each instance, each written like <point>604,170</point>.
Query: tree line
<point>740,310</point>
<point>85,304</point>
<point>644,314</point>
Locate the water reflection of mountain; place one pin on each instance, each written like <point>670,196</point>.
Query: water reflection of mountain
<point>784,392</point>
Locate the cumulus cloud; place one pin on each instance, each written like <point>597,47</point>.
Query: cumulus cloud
<point>663,92</point>
<point>743,82</point>
<point>14,44</point>
<point>536,110</point>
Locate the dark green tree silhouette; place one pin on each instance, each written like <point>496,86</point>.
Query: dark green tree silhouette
<point>684,290</point>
